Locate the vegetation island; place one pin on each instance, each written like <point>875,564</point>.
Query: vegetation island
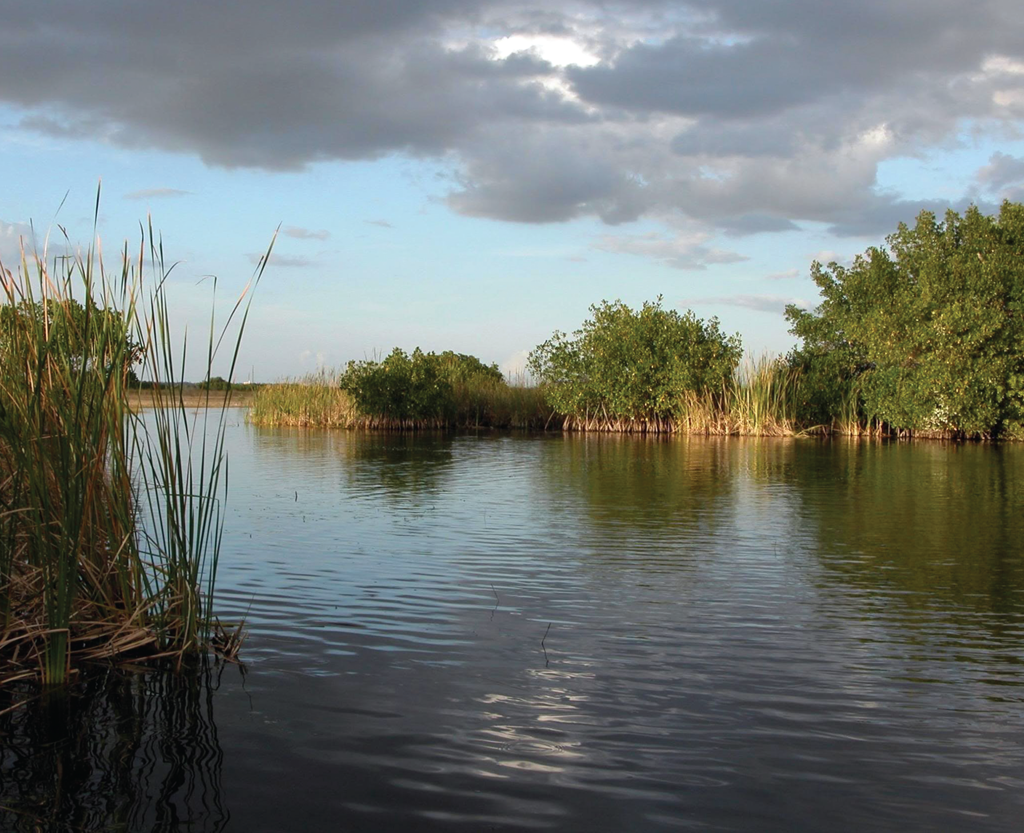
<point>922,338</point>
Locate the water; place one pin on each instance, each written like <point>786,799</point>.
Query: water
<point>581,633</point>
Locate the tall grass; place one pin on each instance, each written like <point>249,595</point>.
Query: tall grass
<point>110,527</point>
<point>489,403</point>
<point>759,400</point>
<point>317,401</point>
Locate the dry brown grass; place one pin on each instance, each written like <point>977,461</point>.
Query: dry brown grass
<point>193,398</point>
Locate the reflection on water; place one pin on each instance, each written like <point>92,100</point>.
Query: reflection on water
<point>120,751</point>
<point>942,525</point>
<point>582,633</point>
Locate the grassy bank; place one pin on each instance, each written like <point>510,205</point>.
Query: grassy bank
<point>110,520</point>
<point>759,399</point>
<point>319,401</point>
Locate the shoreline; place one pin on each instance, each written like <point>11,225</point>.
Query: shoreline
<point>139,400</point>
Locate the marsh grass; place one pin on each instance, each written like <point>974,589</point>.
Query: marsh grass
<point>110,521</point>
<point>317,401</point>
<point>758,400</point>
<point>488,403</point>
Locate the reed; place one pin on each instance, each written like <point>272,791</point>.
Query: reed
<point>110,521</point>
<point>758,400</point>
<point>762,399</point>
<point>489,403</point>
<point>318,401</point>
<point>315,401</point>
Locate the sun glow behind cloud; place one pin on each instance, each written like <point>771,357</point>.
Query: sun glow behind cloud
<point>557,51</point>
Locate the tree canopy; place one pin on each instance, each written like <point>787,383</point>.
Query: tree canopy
<point>80,332</point>
<point>414,387</point>
<point>634,365</point>
<point>927,332</point>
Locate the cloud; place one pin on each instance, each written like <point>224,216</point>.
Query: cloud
<point>287,261</point>
<point>789,274</point>
<point>514,367</point>
<point>300,233</point>
<point>748,117</point>
<point>762,303</point>
<point>381,223</point>
<point>156,193</point>
<point>755,224</point>
<point>881,216</point>
<point>681,251</point>
<point>1002,170</point>
<point>12,237</point>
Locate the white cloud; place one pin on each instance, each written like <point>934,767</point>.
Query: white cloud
<point>12,237</point>
<point>156,193</point>
<point>556,50</point>
<point>762,303</point>
<point>300,233</point>
<point>683,250</point>
<point>288,261</point>
<point>514,367</point>
<point>789,274</point>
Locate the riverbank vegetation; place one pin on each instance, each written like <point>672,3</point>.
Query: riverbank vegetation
<point>403,392</point>
<point>110,519</point>
<point>923,337</point>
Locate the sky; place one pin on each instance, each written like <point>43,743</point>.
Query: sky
<point>474,174</point>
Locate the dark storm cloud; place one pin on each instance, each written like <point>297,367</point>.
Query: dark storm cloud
<point>746,115</point>
<point>268,85</point>
<point>773,56</point>
<point>531,176</point>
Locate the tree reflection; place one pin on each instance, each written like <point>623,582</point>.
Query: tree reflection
<point>120,751</point>
<point>406,465</point>
<point>640,478</point>
<point>936,524</point>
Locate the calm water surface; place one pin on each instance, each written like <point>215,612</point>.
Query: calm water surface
<point>515,633</point>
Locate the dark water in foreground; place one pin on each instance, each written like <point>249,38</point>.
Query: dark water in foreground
<point>496,633</point>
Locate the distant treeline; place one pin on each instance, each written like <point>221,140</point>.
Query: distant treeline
<point>924,337</point>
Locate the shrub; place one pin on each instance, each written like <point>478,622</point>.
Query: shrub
<point>634,366</point>
<point>216,383</point>
<point>401,387</point>
<point>930,331</point>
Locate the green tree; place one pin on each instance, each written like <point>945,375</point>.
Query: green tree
<point>216,383</point>
<point>81,332</point>
<point>634,365</point>
<point>399,387</point>
<point>461,367</point>
<point>929,329</point>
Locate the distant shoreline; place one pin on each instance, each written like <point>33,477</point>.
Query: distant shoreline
<point>192,398</point>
